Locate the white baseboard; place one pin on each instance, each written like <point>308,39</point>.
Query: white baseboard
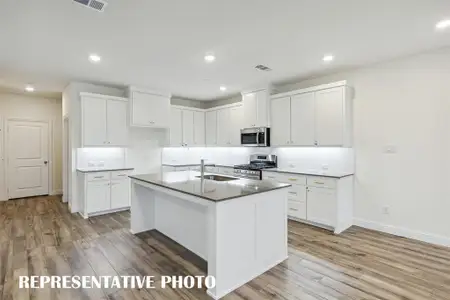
<point>404,232</point>
<point>56,192</point>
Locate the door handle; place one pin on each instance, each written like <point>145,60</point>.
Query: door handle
<point>45,162</point>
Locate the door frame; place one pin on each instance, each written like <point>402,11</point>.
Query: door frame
<point>49,145</point>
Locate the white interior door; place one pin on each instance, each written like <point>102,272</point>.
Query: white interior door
<point>27,159</point>
<point>3,195</point>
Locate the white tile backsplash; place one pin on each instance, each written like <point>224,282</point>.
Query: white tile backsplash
<point>100,157</point>
<point>313,159</point>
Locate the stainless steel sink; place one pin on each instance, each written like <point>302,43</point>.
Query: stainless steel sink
<point>217,177</point>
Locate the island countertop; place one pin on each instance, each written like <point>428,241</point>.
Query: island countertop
<point>187,182</point>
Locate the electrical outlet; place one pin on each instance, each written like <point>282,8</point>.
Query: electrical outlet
<point>385,210</point>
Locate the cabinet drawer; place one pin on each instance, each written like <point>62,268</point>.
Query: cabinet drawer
<point>292,179</point>
<point>297,193</point>
<point>98,176</point>
<point>120,174</point>
<point>270,176</point>
<point>297,209</point>
<point>324,182</point>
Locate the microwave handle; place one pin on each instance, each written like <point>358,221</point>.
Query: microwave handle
<point>257,138</point>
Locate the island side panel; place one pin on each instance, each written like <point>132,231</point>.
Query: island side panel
<point>142,208</point>
<point>247,236</point>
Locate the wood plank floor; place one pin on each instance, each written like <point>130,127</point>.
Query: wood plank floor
<point>38,236</point>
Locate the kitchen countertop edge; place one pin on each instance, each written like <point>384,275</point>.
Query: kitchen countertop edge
<point>308,173</point>
<point>87,170</point>
<point>203,197</point>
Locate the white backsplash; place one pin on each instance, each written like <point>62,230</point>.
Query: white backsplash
<point>144,151</point>
<point>301,158</point>
<point>100,157</point>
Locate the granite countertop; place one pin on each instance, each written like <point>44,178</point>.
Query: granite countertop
<point>194,165</point>
<point>311,172</point>
<point>89,170</point>
<point>187,182</point>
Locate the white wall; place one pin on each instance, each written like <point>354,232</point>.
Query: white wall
<point>406,104</point>
<point>34,108</point>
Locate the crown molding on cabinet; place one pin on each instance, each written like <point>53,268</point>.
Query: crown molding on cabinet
<point>85,94</point>
<point>311,89</point>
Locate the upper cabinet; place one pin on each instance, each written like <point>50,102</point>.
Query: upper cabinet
<point>103,120</point>
<point>256,108</point>
<point>211,127</point>
<point>229,125</point>
<point>187,127</point>
<point>318,116</point>
<point>149,109</point>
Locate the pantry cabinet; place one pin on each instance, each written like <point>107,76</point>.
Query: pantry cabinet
<point>149,109</point>
<point>103,120</point>
<point>187,127</point>
<point>256,108</point>
<point>318,116</point>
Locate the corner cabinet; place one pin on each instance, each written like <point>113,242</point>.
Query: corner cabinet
<point>149,109</point>
<point>318,116</point>
<point>103,120</point>
<point>187,127</point>
<point>256,108</point>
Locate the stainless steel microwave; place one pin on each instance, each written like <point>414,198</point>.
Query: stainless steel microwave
<point>255,137</point>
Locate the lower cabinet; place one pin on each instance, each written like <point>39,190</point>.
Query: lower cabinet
<point>104,192</point>
<point>317,200</point>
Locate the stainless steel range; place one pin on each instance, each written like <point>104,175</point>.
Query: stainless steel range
<point>257,162</point>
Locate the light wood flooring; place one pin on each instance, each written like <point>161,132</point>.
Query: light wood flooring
<point>38,236</point>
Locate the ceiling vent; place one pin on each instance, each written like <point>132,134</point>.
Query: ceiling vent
<point>98,5</point>
<point>263,68</point>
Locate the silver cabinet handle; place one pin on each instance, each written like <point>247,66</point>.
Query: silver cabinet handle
<point>99,177</point>
<point>121,175</point>
<point>292,193</point>
<point>294,209</point>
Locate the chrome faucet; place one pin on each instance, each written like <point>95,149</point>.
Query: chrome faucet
<point>202,167</point>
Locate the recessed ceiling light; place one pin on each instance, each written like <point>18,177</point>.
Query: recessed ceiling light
<point>223,88</point>
<point>95,58</point>
<point>443,24</point>
<point>209,57</point>
<point>328,58</point>
<point>29,88</point>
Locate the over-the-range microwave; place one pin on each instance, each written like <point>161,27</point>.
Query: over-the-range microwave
<point>255,137</point>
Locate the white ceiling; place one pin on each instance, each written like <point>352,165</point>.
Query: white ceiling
<point>160,44</point>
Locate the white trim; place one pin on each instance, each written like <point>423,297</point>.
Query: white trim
<point>404,232</point>
<point>310,89</point>
<point>187,108</point>
<point>236,104</point>
<point>254,90</point>
<point>84,94</point>
<point>132,89</point>
<point>56,192</point>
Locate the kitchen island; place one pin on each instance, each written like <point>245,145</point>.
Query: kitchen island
<point>238,226</point>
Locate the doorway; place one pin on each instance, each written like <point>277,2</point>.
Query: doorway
<point>28,158</point>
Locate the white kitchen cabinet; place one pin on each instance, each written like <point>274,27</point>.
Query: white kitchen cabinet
<point>303,120</point>
<point>322,206</point>
<point>103,121</point>
<point>199,128</point>
<point>149,109</point>
<point>223,127</point>
<point>330,117</point>
<point>103,192</point>
<point>280,132</point>
<point>176,127</point>
<point>120,191</point>
<point>211,127</point>
<point>256,107</point>
<point>98,194</point>
<point>321,201</point>
<point>318,116</point>
<point>187,127</point>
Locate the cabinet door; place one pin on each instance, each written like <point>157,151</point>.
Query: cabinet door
<point>223,124</point>
<point>150,110</point>
<point>250,110</point>
<point>117,128</point>
<point>280,132</point>
<point>98,196</point>
<point>94,121</point>
<point>261,109</point>
<point>120,193</point>
<point>235,125</point>
<point>321,206</point>
<point>176,127</point>
<point>302,120</point>
<point>330,117</point>
<point>199,128</point>
<point>188,127</point>
<point>211,127</point>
